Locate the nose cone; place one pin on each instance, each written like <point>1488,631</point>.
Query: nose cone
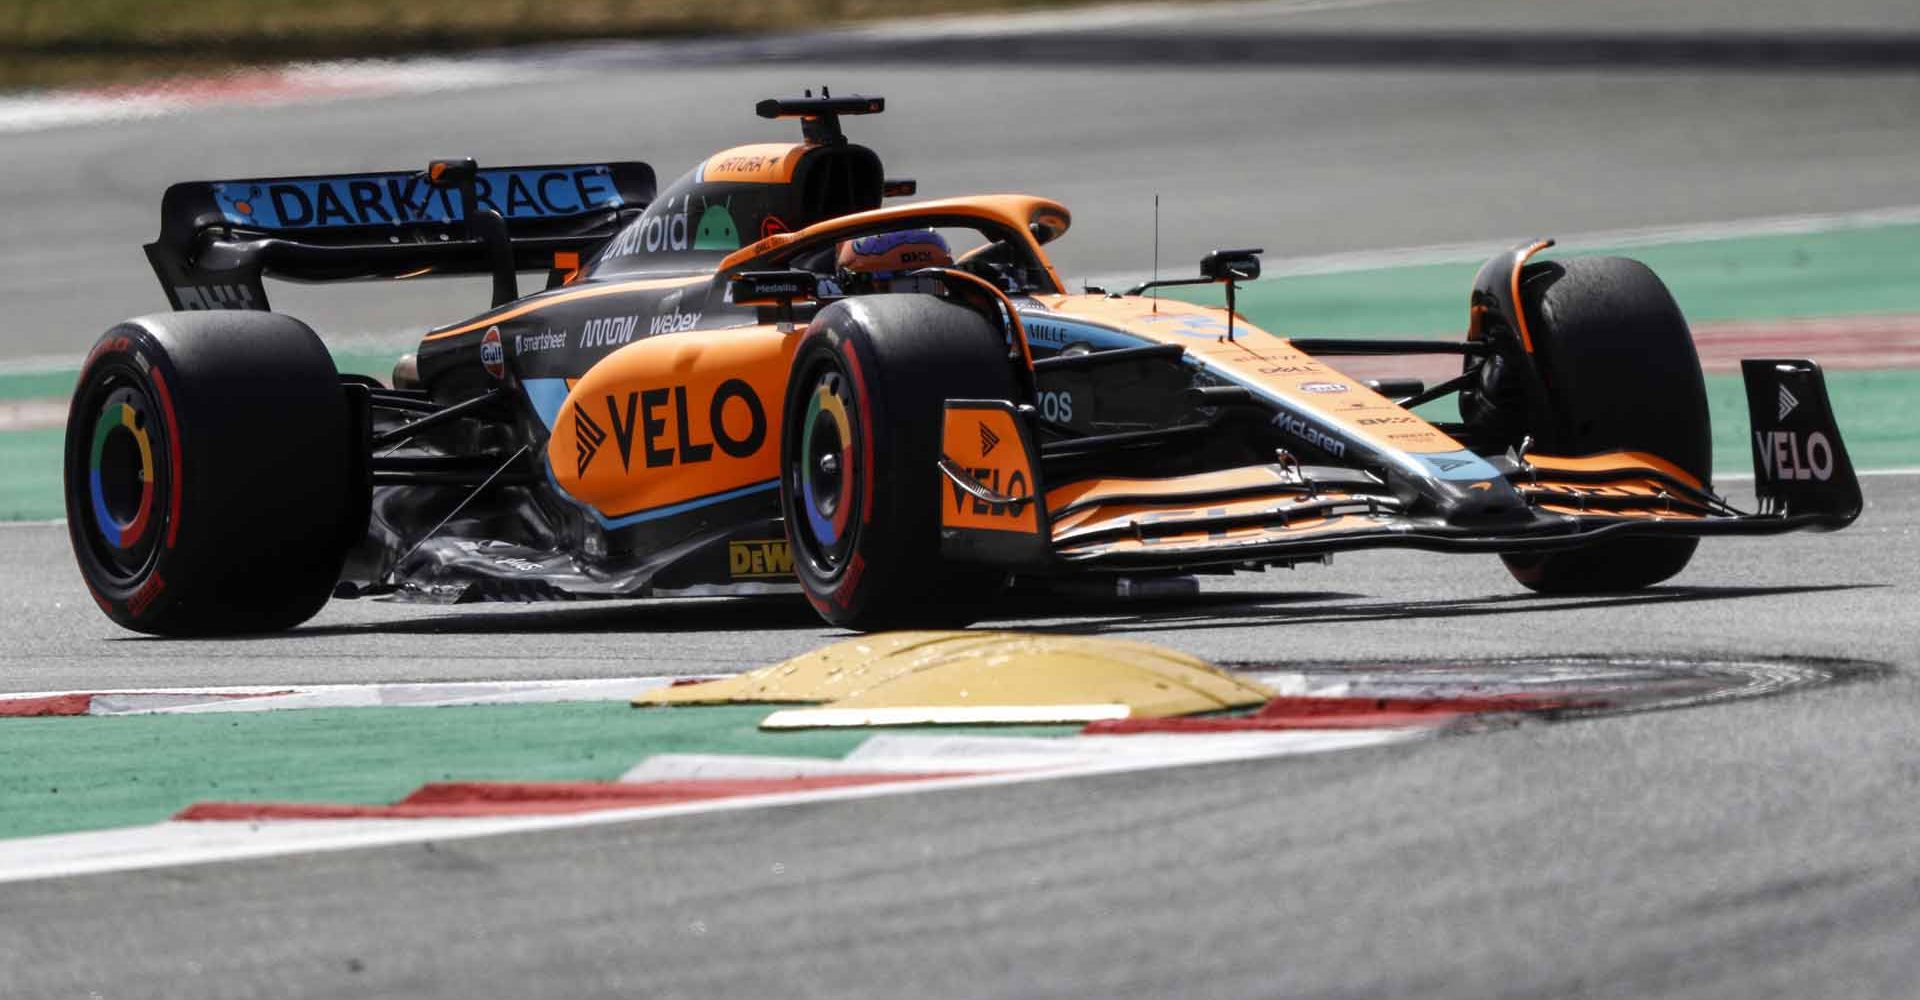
<point>1484,502</point>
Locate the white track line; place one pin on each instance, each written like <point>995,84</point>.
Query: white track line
<point>1100,18</point>
<point>174,844</point>
<point>32,414</point>
<point>308,82</point>
<point>1007,760</point>
<point>1744,477</point>
<point>934,753</point>
<point>435,694</point>
<point>291,84</point>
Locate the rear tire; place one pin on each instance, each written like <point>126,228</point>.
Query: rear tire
<point>1621,374</point>
<point>859,483</point>
<point>208,462</point>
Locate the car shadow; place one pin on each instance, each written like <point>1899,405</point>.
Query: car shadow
<point>1032,610</point>
<point>735,614</point>
<point>1234,610</point>
<point>732,614</point>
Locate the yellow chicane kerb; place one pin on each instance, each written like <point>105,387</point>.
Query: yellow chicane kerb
<point>921,678</point>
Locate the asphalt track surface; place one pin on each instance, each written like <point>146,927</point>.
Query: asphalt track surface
<point>1764,848</point>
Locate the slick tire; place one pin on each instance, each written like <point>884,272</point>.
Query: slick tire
<point>208,462</point>
<point>1621,374</point>
<point>859,484</point>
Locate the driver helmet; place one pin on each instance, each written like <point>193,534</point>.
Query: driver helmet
<point>882,257</point>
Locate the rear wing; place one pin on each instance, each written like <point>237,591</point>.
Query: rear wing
<point>218,239</point>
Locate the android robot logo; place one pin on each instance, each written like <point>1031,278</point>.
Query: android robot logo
<point>716,230</point>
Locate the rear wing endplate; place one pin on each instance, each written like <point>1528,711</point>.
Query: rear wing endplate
<point>218,239</point>
<point>1800,464</point>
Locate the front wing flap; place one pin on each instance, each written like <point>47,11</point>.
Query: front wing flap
<point>1280,513</point>
<point>1314,518</point>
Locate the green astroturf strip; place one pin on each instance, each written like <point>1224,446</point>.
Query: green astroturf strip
<point>1874,410</point>
<point>1870,406</point>
<point>378,364</point>
<point>57,383</point>
<point>69,774</point>
<point>1850,272</point>
<point>30,474</point>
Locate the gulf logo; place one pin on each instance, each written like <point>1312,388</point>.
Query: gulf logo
<point>493,353</point>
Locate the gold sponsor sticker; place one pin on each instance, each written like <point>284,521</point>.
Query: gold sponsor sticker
<point>759,559</point>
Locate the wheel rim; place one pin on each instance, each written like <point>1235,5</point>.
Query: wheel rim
<point>119,487</point>
<point>825,471</point>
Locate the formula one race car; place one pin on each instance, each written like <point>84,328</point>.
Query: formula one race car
<point>762,378</point>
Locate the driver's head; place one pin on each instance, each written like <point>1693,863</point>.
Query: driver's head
<point>880,258</point>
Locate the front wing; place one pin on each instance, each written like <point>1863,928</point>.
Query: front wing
<point>1283,513</point>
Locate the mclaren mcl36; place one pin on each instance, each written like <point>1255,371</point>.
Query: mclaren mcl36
<point>771,376</point>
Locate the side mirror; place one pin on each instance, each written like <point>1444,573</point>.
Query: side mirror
<point>1221,267</point>
<point>1231,265</point>
<point>774,288</point>
<point>777,290</point>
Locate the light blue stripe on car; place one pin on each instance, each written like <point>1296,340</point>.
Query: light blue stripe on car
<point>654,514</point>
<point>1459,466</point>
<point>547,395</point>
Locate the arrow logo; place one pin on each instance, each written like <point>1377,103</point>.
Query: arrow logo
<point>1787,402</point>
<point>587,437</point>
<point>987,441</point>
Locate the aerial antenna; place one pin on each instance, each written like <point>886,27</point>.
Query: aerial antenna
<point>1156,251</point>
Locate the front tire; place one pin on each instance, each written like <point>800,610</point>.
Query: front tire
<point>859,484</point>
<point>1621,374</point>
<point>208,469</point>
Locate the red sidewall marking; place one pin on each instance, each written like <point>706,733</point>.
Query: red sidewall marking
<point>867,426</point>
<point>173,455</point>
<point>444,800</point>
